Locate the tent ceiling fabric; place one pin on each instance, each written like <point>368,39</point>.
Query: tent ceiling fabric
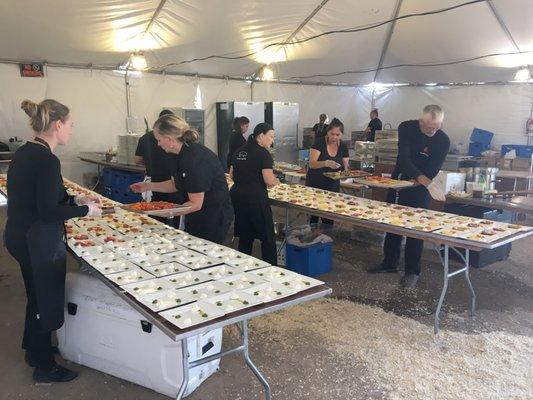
<point>104,32</point>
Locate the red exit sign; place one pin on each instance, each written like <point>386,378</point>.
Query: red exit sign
<point>33,70</point>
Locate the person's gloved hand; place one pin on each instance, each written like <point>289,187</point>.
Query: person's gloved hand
<point>94,210</point>
<point>436,192</point>
<point>332,164</point>
<point>82,200</point>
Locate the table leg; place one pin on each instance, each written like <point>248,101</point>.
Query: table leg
<point>251,365</point>
<point>445,261</point>
<point>185,368</point>
<point>467,277</point>
<point>284,241</point>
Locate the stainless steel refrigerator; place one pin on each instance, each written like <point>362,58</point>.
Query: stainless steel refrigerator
<point>194,117</point>
<point>226,112</point>
<point>284,118</point>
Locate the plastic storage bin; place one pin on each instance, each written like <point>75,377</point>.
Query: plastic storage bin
<point>522,151</point>
<point>481,136</point>
<point>103,332</point>
<point>475,149</point>
<point>309,260</point>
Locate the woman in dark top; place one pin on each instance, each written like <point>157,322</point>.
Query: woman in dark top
<point>240,127</point>
<point>38,205</point>
<point>199,179</point>
<point>328,154</point>
<point>252,172</point>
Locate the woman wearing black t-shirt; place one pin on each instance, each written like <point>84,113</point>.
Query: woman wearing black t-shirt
<point>252,174</point>
<point>328,154</point>
<point>38,206</point>
<point>199,179</point>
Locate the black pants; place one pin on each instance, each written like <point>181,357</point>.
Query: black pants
<point>269,251</point>
<point>36,342</point>
<point>414,197</point>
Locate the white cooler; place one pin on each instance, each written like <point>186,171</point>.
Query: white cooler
<point>103,332</point>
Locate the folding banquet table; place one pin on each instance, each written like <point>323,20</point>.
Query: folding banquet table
<point>443,244</point>
<point>239,318</point>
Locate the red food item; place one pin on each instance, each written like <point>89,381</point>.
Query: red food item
<point>81,237</point>
<point>152,206</point>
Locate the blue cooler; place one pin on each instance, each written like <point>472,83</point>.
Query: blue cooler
<point>310,260</point>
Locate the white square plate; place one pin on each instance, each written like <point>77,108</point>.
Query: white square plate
<point>137,289</point>
<point>234,301</point>
<point>166,269</point>
<point>242,281</point>
<point>206,290</point>
<point>163,300</point>
<point>222,271</point>
<point>187,279</point>
<point>192,314</point>
<point>133,275</point>
<point>149,261</point>
<point>247,263</point>
<point>114,267</point>
<point>269,291</point>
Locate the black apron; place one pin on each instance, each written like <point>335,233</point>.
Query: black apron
<point>47,251</point>
<point>253,215</point>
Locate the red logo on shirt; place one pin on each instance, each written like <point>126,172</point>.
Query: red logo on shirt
<point>425,151</point>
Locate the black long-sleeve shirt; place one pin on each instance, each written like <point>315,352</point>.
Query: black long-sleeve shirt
<point>35,189</point>
<point>419,154</point>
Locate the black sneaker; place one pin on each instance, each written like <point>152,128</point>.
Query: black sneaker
<point>409,281</point>
<point>57,373</point>
<point>382,268</point>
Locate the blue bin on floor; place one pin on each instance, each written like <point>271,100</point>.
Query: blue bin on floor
<point>312,260</point>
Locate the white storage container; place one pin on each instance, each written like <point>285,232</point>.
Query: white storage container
<point>103,332</point>
<point>450,181</point>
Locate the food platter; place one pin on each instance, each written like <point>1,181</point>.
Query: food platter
<point>383,182</point>
<point>346,174</point>
<point>156,208</point>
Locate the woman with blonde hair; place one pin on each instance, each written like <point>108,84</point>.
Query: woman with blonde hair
<point>38,206</point>
<point>199,179</point>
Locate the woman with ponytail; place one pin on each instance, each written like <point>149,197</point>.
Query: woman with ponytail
<point>199,179</point>
<point>38,206</point>
<point>252,172</point>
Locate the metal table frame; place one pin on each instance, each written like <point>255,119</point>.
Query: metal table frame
<point>440,243</point>
<point>239,318</point>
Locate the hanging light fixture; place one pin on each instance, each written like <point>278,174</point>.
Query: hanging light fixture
<point>523,75</point>
<point>138,61</point>
<point>266,73</point>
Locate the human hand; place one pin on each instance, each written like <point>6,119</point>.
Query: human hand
<point>94,210</point>
<point>332,164</point>
<point>423,180</point>
<point>140,187</point>
<point>87,199</point>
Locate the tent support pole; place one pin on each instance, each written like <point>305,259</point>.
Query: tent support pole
<point>386,43</point>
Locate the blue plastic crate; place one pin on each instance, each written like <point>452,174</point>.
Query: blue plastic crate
<point>125,197</point>
<point>304,155</point>
<point>311,260</point>
<point>123,180</point>
<point>522,151</point>
<point>108,177</point>
<point>481,136</point>
<point>475,149</point>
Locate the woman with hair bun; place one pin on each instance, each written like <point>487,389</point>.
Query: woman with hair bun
<point>38,206</point>
<point>199,180</point>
